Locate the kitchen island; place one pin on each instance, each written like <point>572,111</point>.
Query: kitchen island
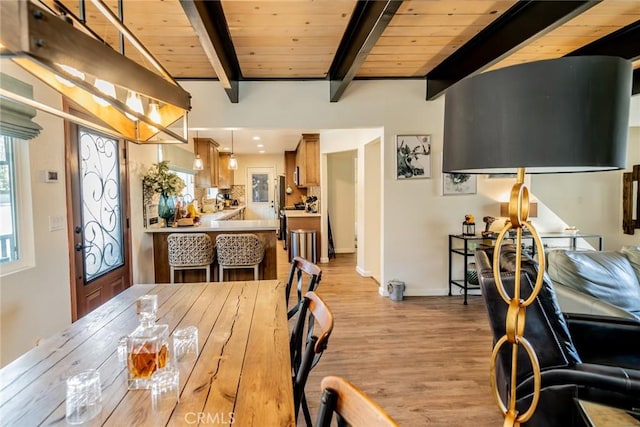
<point>264,229</point>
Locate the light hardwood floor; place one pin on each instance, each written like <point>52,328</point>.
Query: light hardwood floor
<point>425,359</point>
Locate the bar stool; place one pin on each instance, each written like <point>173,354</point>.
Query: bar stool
<point>190,251</point>
<point>239,251</point>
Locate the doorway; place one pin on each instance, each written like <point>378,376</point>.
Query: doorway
<point>261,193</point>
<point>99,234</point>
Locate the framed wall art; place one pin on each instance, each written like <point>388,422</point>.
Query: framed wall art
<point>413,156</point>
<point>458,183</point>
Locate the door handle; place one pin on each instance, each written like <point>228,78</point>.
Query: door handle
<point>79,247</point>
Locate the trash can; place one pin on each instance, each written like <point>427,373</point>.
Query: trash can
<point>303,244</point>
<point>396,290</point>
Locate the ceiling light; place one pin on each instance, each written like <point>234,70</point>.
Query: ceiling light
<point>261,151</point>
<point>256,138</point>
<point>135,103</point>
<point>233,162</point>
<point>72,71</point>
<point>106,88</point>
<point>260,145</point>
<point>92,74</point>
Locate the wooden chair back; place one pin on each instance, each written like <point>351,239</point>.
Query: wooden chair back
<point>300,265</point>
<point>351,405</point>
<point>314,330</point>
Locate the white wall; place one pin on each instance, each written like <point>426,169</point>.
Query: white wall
<point>36,303</point>
<point>372,177</point>
<point>341,202</point>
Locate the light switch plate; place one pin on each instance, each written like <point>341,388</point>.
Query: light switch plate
<point>56,222</point>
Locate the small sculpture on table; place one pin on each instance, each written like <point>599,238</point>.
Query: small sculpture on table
<point>488,220</point>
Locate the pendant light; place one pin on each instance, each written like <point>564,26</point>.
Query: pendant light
<point>198,165</point>
<point>233,162</point>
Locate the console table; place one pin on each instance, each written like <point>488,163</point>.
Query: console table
<point>465,246</point>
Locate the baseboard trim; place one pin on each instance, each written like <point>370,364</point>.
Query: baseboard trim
<point>324,260</point>
<point>363,273</point>
<point>345,251</point>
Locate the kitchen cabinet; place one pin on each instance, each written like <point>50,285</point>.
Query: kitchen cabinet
<point>297,193</point>
<point>225,175</point>
<point>207,149</point>
<point>308,160</point>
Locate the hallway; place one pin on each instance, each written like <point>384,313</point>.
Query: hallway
<point>425,359</point>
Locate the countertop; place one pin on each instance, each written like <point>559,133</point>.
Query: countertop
<point>223,214</point>
<point>299,214</point>
<point>221,225</point>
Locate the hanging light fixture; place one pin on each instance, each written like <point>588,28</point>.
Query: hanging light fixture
<point>84,69</point>
<point>233,162</point>
<point>198,164</point>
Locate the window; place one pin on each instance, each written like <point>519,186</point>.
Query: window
<point>188,191</point>
<point>16,226</point>
<point>8,226</point>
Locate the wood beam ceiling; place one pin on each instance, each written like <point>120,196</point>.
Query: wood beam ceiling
<point>523,22</point>
<point>367,24</point>
<point>207,19</point>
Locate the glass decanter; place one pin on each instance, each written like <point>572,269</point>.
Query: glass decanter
<point>147,346</point>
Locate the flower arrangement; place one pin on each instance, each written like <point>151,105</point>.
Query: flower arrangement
<point>159,179</point>
<point>469,219</point>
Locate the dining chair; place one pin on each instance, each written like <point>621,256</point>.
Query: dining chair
<point>190,251</point>
<point>351,406</point>
<point>300,265</point>
<point>239,251</point>
<point>314,330</point>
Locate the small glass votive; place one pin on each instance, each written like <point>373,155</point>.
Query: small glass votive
<point>185,344</point>
<point>165,388</point>
<point>84,397</point>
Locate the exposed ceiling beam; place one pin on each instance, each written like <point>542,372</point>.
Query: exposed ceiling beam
<point>209,23</point>
<point>624,43</point>
<point>525,21</point>
<point>366,25</point>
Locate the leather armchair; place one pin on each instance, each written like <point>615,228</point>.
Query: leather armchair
<point>601,364</point>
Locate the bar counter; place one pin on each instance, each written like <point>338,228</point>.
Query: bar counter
<point>264,229</point>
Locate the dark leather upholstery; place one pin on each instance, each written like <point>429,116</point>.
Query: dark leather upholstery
<point>608,276</point>
<point>609,374</point>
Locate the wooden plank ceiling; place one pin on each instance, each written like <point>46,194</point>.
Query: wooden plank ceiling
<point>304,39</point>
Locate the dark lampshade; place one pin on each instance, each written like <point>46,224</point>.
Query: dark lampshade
<point>561,115</point>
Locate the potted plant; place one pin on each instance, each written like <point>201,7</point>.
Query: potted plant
<point>159,179</point>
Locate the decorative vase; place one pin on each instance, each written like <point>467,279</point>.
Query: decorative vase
<point>166,208</point>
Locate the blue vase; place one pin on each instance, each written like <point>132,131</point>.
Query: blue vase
<point>167,208</point>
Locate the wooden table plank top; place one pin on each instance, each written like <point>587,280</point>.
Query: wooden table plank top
<point>242,375</point>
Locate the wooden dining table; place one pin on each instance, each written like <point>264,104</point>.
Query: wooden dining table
<point>241,377</point>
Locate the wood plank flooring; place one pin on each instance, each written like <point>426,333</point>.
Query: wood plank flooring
<point>425,359</point>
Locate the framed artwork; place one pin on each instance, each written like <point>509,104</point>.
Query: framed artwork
<point>413,156</point>
<point>151,216</point>
<point>458,183</point>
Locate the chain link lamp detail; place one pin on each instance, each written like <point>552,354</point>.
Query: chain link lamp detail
<point>557,116</point>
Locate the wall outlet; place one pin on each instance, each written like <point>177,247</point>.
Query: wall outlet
<point>56,222</point>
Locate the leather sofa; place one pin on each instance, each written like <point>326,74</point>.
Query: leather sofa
<point>581,356</point>
<point>604,283</point>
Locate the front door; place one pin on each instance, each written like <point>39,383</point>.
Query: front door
<point>99,218</point>
<point>261,193</point>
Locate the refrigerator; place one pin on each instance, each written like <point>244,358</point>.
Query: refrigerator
<point>280,197</point>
